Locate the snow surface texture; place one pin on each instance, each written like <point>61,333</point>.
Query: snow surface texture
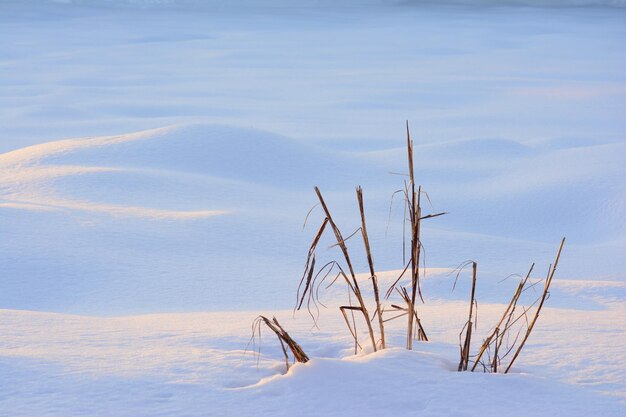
<point>197,133</point>
<point>195,364</point>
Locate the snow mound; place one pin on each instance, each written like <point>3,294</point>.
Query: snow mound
<point>195,364</point>
<point>424,383</point>
<point>183,208</point>
<point>170,212</point>
<point>78,174</point>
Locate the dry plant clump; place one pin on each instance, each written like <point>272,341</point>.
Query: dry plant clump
<point>285,340</point>
<point>495,348</point>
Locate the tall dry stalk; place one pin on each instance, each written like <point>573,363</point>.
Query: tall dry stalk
<point>498,334</point>
<point>544,295</point>
<point>415,208</point>
<point>307,277</point>
<point>370,263</point>
<point>413,205</point>
<point>351,280</point>
<point>466,344</point>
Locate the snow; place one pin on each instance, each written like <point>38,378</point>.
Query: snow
<point>157,160</point>
<point>183,208</point>
<point>195,364</point>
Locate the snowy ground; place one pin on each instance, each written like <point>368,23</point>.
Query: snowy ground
<point>157,162</point>
<point>195,364</point>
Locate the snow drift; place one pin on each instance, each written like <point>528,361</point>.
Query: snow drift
<point>210,199</point>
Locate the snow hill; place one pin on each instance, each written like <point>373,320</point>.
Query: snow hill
<point>172,213</point>
<point>208,188</point>
<point>179,208</point>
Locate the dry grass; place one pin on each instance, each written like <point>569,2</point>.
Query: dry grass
<point>286,341</point>
<point>495,347</point>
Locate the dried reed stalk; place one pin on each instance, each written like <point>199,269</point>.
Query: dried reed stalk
<point>494,364</point>
<point>284,339</point>
<point>546,289</point>
<point>309,268</point>
<point>465,346</point>
<point>414,206</point>
<point>352,281</point>
<point>508,314</point>
<point>351,328</point>
<point>370,262</point>
<point>419,329</point>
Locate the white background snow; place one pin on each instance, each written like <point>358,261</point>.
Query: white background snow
<point>157,161</point>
